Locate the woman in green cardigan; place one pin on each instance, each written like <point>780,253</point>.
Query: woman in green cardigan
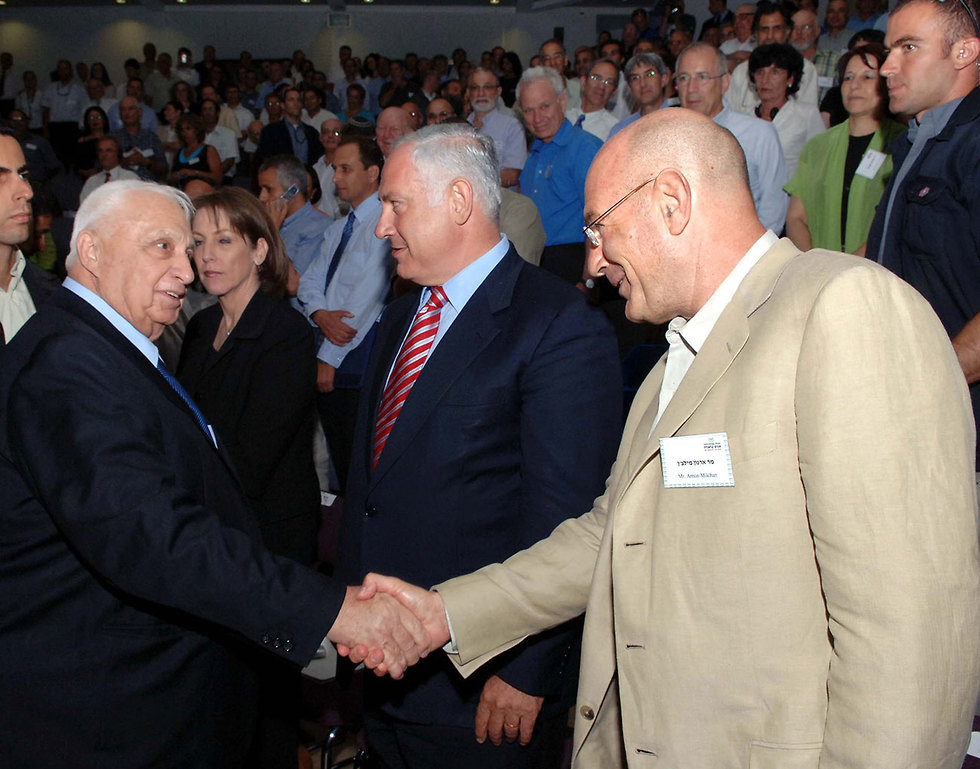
<point>842,172</point>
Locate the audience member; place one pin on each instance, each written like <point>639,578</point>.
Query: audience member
<point>343,292</point>
<point>597,89</point>
<point>330,132</point>
<point>95,125</point>
<point>28,101</point>
<point>842,172</point>
<point>221,138</point>
<point>552,54</point>
<point>702,80</point>
<point>647,77</point>
<point>738,48</point>
<point>148,119</point>
<point>196,159</point>
<point>775,71</point>
<point>554,174</point>
<point>504,129</point>
<point>62,102</point>
<point>109,170</point>
<point>393,123</point>
<point>291,135</point>
<point>772,24</point>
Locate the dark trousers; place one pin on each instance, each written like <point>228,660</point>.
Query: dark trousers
<point>566,260</point>
<point>338,413</point>
<point>397,744</point>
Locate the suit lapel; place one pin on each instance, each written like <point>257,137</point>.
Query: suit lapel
<point>471,332</point>
<point>92,317</point>
<point>724,343</point>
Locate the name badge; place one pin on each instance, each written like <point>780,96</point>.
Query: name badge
<point>696,461</point>
<point>825,82</point>
<point>870,164</point>
<point>192,161</point>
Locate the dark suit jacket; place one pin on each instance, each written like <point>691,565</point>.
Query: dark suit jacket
<point>41,284</point>
<point>258,393</point>
<point>275,140</point>
<point>133,587</point>
<point>511,428</point>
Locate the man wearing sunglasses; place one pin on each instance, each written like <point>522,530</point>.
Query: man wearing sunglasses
<point>783,569</point>
<point>927,228</point>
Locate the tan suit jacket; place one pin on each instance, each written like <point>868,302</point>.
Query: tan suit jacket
<point>823,611</point>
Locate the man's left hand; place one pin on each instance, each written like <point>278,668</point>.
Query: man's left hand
<point>324,376</point>
<point>506,713</point>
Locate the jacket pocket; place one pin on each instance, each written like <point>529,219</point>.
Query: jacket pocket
<point>929,201</point>
<point>785,755</point>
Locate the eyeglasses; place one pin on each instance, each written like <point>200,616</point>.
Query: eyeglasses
<point>593,235</point>
<point>600,79</point>
<point>649,74</point>
<point>702,77</point>
<point>969,12</point>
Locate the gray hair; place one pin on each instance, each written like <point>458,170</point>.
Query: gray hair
<point>107,200</point>
<point>289,171</point>
<point>646,60</point>
<point>720,60</point>
<point>441,153</point>
<point>610,62</point>
<point>533,74</point>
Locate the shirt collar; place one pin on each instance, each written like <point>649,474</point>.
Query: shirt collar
<point>123,326</point>
<point>369,204</point>
<point>300,213</point>
<point>461,286</point>
<point>17,271</point>
<point>696,330</point>
<point>933,121</point>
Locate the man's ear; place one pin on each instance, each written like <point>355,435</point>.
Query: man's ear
<point>460,200</point>
<point>88,247</point>
<point>673,199</point>
<point>966,53</point>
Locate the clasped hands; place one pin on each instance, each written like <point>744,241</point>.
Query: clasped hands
<point>389,625</point>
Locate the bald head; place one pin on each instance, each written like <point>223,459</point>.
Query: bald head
<point>393,123</point>
<point>683,214</point>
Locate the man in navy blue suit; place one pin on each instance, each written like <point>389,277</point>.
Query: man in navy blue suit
<point>134,590</point>
<point>490,411</point>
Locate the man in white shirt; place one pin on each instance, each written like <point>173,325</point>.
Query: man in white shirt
<point>62,102</point>
<point>343,291</point>
<point>647,77</point>
<point>702,80</point>
<point>483,91</point>
<point>96,98</point>
<point>772,25</point>
<point>329,138</point>
<point>553,55</point>
<point>313,112</point>
<point>597,87</point>
<point>245,116</point>
<point>739,47</point>
<point>221,138</point>
<point>159,82</point>
<point>108,151</point>
<point>23,285</point>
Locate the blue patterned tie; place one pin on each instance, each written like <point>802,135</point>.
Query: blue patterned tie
<point>339,252</point>
<point>581,119</point>
<point>178,388</point>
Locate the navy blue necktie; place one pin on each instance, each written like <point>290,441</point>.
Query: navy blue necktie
<point>339,252</point>
<point>581,119</point>
<point>178,388</point>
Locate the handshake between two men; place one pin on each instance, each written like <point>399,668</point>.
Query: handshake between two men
<point>389,625</point>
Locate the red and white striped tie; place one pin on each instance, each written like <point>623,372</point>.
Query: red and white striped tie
<point>408,366</point>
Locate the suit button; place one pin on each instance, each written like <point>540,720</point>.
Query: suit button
<point>276,643</point>
<point>586,712</point>
<point>267,639</point>
<point>370,510</point>
<point>287,645</point>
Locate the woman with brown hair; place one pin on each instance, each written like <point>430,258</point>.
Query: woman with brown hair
<point>250,365</point>
<point>195,160</point>
<point>842,172</point>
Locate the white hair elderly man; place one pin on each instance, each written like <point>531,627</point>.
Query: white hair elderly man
<point>135,588</point>
<point>554,174</point>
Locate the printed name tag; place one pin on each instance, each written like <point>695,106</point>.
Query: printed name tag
<point>870,163</point>
<point>825,82</point>
<point>691,461</point>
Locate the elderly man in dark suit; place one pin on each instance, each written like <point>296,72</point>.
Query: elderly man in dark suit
<point>134,590</point>
<point>511,425</point>
<point>23,285</point>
